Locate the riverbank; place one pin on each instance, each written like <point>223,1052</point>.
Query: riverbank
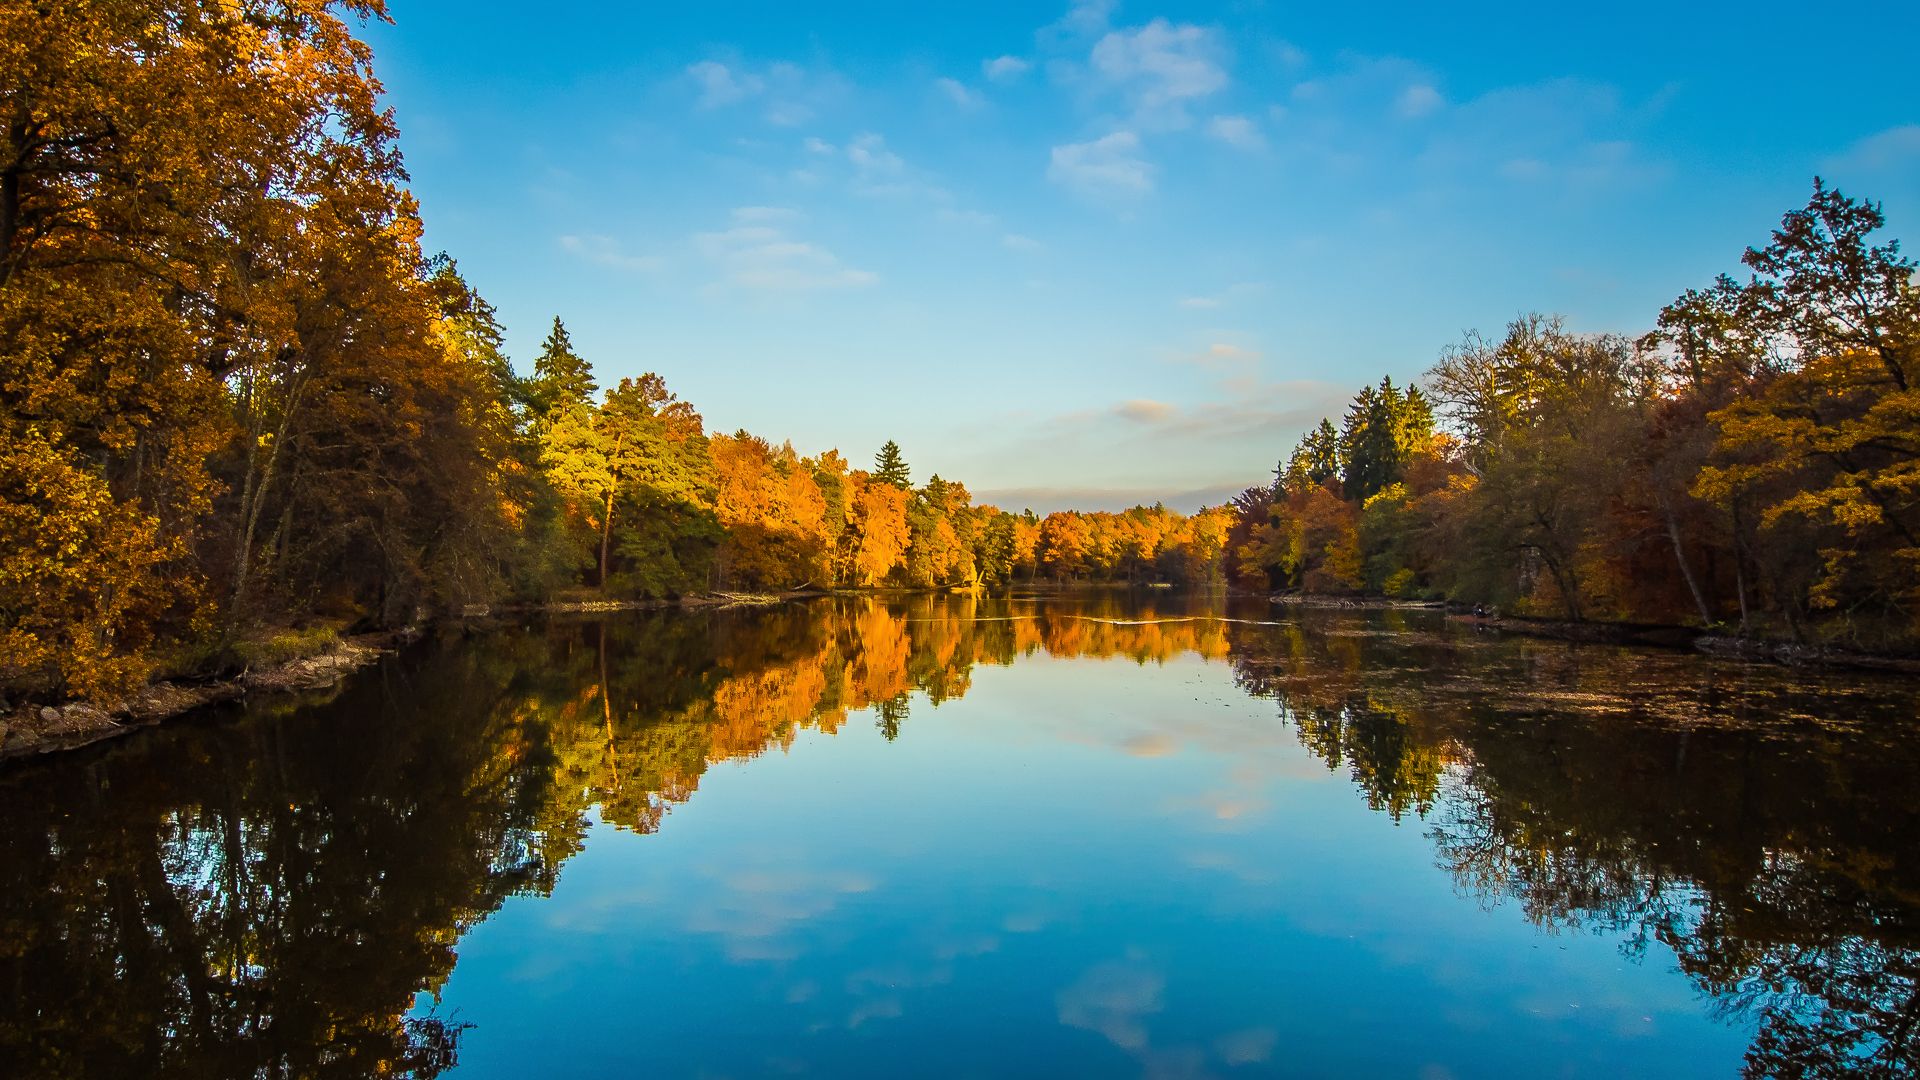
<point>1695,639</point>
<point>1641,635</point>
<point>38,728</point>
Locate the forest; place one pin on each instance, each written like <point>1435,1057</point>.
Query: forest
<point>239,400</point>
<point>1752,463</point>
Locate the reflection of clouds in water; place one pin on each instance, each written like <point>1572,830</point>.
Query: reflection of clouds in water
<point>1249,1047</point>
<point>976,945</point>
<point>1149,745</point>
<point>1113,1000</point>
<point>1025,922</point>
<point>1223,806</point>
<point>606,912</point>
<point>1231,865</point>
<point>753,909</point>
<point>899,977</point>
<point>887,1008</point>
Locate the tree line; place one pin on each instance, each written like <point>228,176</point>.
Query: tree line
<point>1752,463</point>
<point>632,496</point>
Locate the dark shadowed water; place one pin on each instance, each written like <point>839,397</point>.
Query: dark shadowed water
<point>1113,836</point>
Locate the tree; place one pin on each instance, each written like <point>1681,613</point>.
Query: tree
<point>1315,460</point>
<point>1825,441</point>
<point>890,468</point>
<point>562,379</point>
<point>202,232</point>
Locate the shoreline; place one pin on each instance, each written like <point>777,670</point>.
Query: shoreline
<point>36,728</point>
<point>1695,640</point>
<point>1639,635</point>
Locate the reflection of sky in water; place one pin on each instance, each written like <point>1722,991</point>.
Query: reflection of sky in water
<point>1082,866</point>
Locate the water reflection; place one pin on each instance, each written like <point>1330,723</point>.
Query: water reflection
<point>266,896</point>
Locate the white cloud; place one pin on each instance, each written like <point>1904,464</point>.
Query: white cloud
<point>816,145</point>
<point>1885,151</point>
<point>1236,131</point>
<point>606,251</point>
<point>790,94</point>
<point>1418,100</point>
<point>721,85</point>
<point>1002,69</point>
<point>1088,15</point>
<point>953,215</point>
<point>1162,66</point>
<point>1143,411</point>
<point>1110,167</point>
<point>764,214</point>
<point>1221,299</point>
<point>871,158</point>
<point>789,113</point>
<point>958,93</point>
<point>756,254</point>
<point>1289,55</point>
<point>1017,242</point>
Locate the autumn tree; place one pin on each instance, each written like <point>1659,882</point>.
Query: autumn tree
<point>1818,443</point>
<point>134,313</point>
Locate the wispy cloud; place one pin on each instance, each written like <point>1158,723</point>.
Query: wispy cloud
<point>1224,353</point>
<point>757,254</point>
<point>953,215</point>
<point>606,251</point>
<point>1143,411</point>
<point>959,93</point>
<point>788,95</point>
<point>1237,131</point>
<point>870,157</point>
<point>1017,242</point>
<point>1237,291</point>
<point>721,85</point>
<point>1417,101</point>
<point>1046,499</point>
<point>1885,151</point>
<point>1162,67</point>
<point>1005,69</point>
<point>1110,168</point>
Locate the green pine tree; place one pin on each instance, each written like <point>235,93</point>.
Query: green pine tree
<point>890,467</point>
<point>562,378</point>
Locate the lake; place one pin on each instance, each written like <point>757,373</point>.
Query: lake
<point>1103,835</point>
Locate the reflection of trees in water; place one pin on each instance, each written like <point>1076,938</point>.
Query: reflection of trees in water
<point>266,897</point>
<point>1722,812</point>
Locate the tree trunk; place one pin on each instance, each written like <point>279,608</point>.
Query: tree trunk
<point>606,711</point>
<point>606,536</point>
<point>606,520</point>
<point>1680,556</point>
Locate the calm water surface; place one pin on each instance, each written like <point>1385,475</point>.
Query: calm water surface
<point>1112,836</point>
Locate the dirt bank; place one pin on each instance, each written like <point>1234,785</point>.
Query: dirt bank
<point>37,728</point>
<point>40,729</point>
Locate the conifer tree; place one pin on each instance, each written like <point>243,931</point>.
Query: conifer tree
<point>889,467</point>
<point>562,378</point>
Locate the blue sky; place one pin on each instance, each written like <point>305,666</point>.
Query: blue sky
<point>1106,253</point>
